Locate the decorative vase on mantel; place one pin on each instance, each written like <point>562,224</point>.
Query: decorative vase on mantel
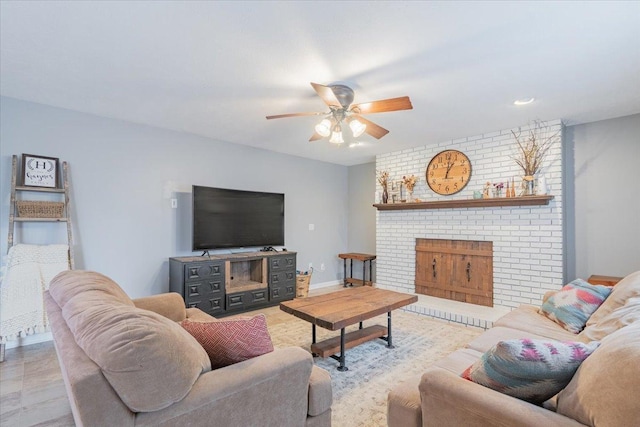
<point>528,182</point>
<point>409,196</point>
<point>385,195</point>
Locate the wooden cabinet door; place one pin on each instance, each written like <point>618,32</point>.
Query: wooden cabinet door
<point>459,270</point>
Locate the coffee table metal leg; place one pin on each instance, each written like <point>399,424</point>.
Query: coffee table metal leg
<point>342,356</point>
<point>388,338</point>
<point>389,342</point>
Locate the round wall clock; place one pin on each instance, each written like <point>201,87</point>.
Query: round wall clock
<point>448,172</point>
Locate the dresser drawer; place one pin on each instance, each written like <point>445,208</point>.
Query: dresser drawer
<point>280,278</point>
<point>211,305</point>
<point>281,263</point>
<point>206,270</point>
<point>202,288</point>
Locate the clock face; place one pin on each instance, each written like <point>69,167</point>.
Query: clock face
<point>448,172</point>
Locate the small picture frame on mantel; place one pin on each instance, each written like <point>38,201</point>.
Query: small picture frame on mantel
<point>395,195</point>
<point>39,171</point>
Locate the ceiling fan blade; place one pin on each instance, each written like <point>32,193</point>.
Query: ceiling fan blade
<point>315,137</point>
<point>384,105</point>
<point>327,95</point>
<point>281,116</point>
<point>373,129</point>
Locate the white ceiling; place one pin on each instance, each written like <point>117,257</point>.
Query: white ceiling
<point>216,69</point>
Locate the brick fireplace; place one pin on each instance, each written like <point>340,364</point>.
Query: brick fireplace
<point>527,240</point>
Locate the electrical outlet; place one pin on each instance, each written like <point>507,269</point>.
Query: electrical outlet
<point>322,267</point>
<point>310,265</point>
<point>312,227</point>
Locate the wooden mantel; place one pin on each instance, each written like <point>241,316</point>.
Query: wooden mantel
<point>468,203</point>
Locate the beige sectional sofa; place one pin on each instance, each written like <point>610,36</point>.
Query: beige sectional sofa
<point>129,363</point>
<point>603,392</point>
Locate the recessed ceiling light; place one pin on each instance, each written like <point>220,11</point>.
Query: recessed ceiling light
<point>523,101</point>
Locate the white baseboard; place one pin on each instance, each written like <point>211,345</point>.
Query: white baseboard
<point>325,284</point>
<point>29,339</point>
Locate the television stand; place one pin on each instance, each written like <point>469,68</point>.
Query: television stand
<point>228,284</point>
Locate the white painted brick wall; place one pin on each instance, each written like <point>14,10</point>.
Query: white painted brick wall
<point>527,241</point>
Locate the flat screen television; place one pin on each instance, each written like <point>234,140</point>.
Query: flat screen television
<point>225,218</point>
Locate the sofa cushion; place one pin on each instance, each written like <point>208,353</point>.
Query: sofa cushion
<point>628,287</point>
<point>531,370</point>
<point>527,318</point>
<point>572,306</point>
<point>604,390</point>
<point>458,361</point>
<point>493,336</point>
<point>149,360</point>
<point>233,340</point>
<point>622,316</point>
<point>94,286</point>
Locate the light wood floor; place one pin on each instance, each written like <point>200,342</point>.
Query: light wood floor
<point>32,392</point>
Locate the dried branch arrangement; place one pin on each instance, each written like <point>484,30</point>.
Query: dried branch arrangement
<point>383,178</point>
<point>533,147</point>
<point>409,182</point>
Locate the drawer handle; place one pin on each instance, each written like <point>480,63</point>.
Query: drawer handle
<point>468,272</point>
<point>434,268</point>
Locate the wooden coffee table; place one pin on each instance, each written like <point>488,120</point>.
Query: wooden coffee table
<point>340,309</point>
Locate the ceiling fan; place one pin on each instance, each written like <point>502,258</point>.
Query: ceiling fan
<point>339,99</point>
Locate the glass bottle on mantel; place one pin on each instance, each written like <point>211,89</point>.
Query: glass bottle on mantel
<point>529,185</point>
<point>541,187</point>
<point>385,194</point>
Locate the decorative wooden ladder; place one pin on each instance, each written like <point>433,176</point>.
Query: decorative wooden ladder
<point>66,217</point>
<point>14,218</point>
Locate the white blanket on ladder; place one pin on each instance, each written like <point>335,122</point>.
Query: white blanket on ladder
<point>30,268</point>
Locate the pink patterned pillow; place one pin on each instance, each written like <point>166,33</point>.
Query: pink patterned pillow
<point>529,369</point>
<point>572,306</point>
<point>230,341</point>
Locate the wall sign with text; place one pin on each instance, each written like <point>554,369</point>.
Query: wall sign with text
<point>39,171</point>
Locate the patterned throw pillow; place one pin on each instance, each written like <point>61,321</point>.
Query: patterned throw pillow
<point>531,370</point>
<point>230,341</point>
<point>572,306</point>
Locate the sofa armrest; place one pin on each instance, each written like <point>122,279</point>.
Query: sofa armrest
<point>448,399</point>
<point>197,315</point>
<point>320,394</point>
<point>170,305</point>
<point>271,389</point>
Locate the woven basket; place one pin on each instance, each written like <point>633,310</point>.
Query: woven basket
<point>302,284</point>
<point>37,209</point>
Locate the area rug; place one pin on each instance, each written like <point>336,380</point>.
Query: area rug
<point>360,394</point>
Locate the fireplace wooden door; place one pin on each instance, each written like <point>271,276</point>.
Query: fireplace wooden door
<point>459,270</point>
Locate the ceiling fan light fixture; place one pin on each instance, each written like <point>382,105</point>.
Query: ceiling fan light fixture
<point>323,128</point>
<point>357,127</point>
<point>336,135</point>
<point>523,101</point>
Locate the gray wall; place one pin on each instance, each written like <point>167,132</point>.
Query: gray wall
<point>124,175</point>
<point>362,214</point>
<point>607,196</point>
